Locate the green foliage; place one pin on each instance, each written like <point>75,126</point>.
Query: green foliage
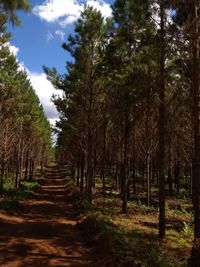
<point>187,229</point>
<point>183,194</point>
<point>13,197</point>
<point>122,75</point>
<point>85,46</point>
<point>10,8</point>
<point>25,132</point>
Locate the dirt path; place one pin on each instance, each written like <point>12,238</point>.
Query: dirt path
<point>41,231</point>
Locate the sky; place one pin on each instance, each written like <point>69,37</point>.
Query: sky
<point>38,41</point>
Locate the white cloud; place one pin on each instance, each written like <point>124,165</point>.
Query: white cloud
<point>68,11</point>
<point>53,10</point>
<point>49,36</point>
<point>101,6</point>
<point>44,89</point>
<point>53,121</point>
<point>61,34</point>
<point>68,20</point>
<point>13,49</point>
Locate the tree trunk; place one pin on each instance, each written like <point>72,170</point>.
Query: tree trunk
<point>103,157</point>
<point>78,172</point>
<point>26,166</point>
<point>169,176</point>
<point>89,168</point>
<point>177,175</point>
<point>161,152</point>
<point>148,181</point>
<point>134,164</point>
<point>125,161</point>
<point>194,260</point>
<point>82,172</point>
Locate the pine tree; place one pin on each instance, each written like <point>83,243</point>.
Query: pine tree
<point>81,86</point>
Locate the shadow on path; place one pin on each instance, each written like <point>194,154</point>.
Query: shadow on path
<point>41,231</point>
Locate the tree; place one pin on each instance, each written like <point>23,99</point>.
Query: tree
<point>9,8</point>
<point>162,120</point>
<point>187,17</point>
<point>81,85</point>
<point>25,135</point>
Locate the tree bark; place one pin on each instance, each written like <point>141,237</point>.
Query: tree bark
<point>195,253</point>
<point>161,152</point>
<point>125,161</point>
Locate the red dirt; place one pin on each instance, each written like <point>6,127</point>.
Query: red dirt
<point>41,231</point>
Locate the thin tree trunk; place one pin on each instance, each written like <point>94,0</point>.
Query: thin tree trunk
<point>148,181</point>
<point>82,172</point>
<point>169,176</point>
<point>161,152</point>
<point>134,164</point>
<point>103,157</point>
<point>124,168</point>
<point>26,166</point>
<point>89,168</point>
<point>195,253</point>
<point>78,172</point>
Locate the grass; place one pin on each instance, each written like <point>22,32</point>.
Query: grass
<point>134,237</point>
<point>11,197</point>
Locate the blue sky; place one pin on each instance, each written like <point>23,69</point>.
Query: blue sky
<point>38,41</point>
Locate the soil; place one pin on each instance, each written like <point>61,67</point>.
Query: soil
<point>42,230</point>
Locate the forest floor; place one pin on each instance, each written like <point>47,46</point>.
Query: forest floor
<point>134,236</point>
<point>54,227</point>
<point>42,230</point>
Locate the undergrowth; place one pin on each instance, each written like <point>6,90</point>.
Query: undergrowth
<point>134,237</point>
<point>11,197</point>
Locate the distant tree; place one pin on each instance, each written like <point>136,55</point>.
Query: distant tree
<point>81,87</point>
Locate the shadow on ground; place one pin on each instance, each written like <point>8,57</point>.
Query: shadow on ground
<point>41,231</point>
